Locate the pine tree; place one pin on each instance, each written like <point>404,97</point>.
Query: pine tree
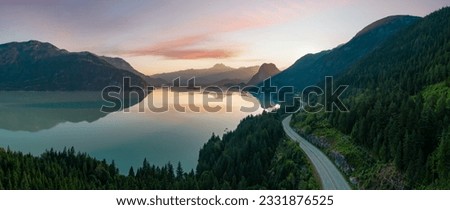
<point>131,172</point>
<point>180,172</point>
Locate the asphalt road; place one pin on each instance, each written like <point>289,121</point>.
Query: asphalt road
<point>329,175</point>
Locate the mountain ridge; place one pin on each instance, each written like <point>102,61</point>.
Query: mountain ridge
<point>41,66</point>
<point>122,64</point>
<point>312,68</point>
<point>211,76</point>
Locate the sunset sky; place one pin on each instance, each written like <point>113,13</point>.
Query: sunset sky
<point>160,36</point>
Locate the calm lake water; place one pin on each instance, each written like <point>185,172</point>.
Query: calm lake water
<point>33,122</point>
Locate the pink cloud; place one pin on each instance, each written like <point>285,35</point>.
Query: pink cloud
<point>198,54</point>
<point>182,49</point>
<point>186,47</point>
<point>172,44</point>
<point>208,29</point>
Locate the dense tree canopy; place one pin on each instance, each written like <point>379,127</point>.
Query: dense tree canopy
<point>254,156</point>
<point>399,102</point>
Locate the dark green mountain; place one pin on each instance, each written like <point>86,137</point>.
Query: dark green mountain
<point>311,68</point>
<point>41,66</point>
<point>399,102</point>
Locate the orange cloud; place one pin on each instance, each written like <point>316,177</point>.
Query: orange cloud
<point>193,46</point>
<point>188,54</point>
<point>182,48</point>
<point>174,44</point>
<point>198,54</point>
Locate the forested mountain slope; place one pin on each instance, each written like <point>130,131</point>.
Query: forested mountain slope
<point>399,102</point>
<point>312,68</point>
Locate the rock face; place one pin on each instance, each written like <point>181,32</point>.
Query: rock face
<point>265,71</point>
<point>38,66</point>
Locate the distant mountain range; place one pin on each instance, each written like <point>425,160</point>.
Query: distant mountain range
<point>40,66</point>
<point>312,68</point>
<point>35,65</point>
<point>219,74</point>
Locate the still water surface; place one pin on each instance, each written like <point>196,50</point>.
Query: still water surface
<point>33,122</point>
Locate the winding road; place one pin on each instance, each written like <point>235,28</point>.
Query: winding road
<point>330,177</point>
